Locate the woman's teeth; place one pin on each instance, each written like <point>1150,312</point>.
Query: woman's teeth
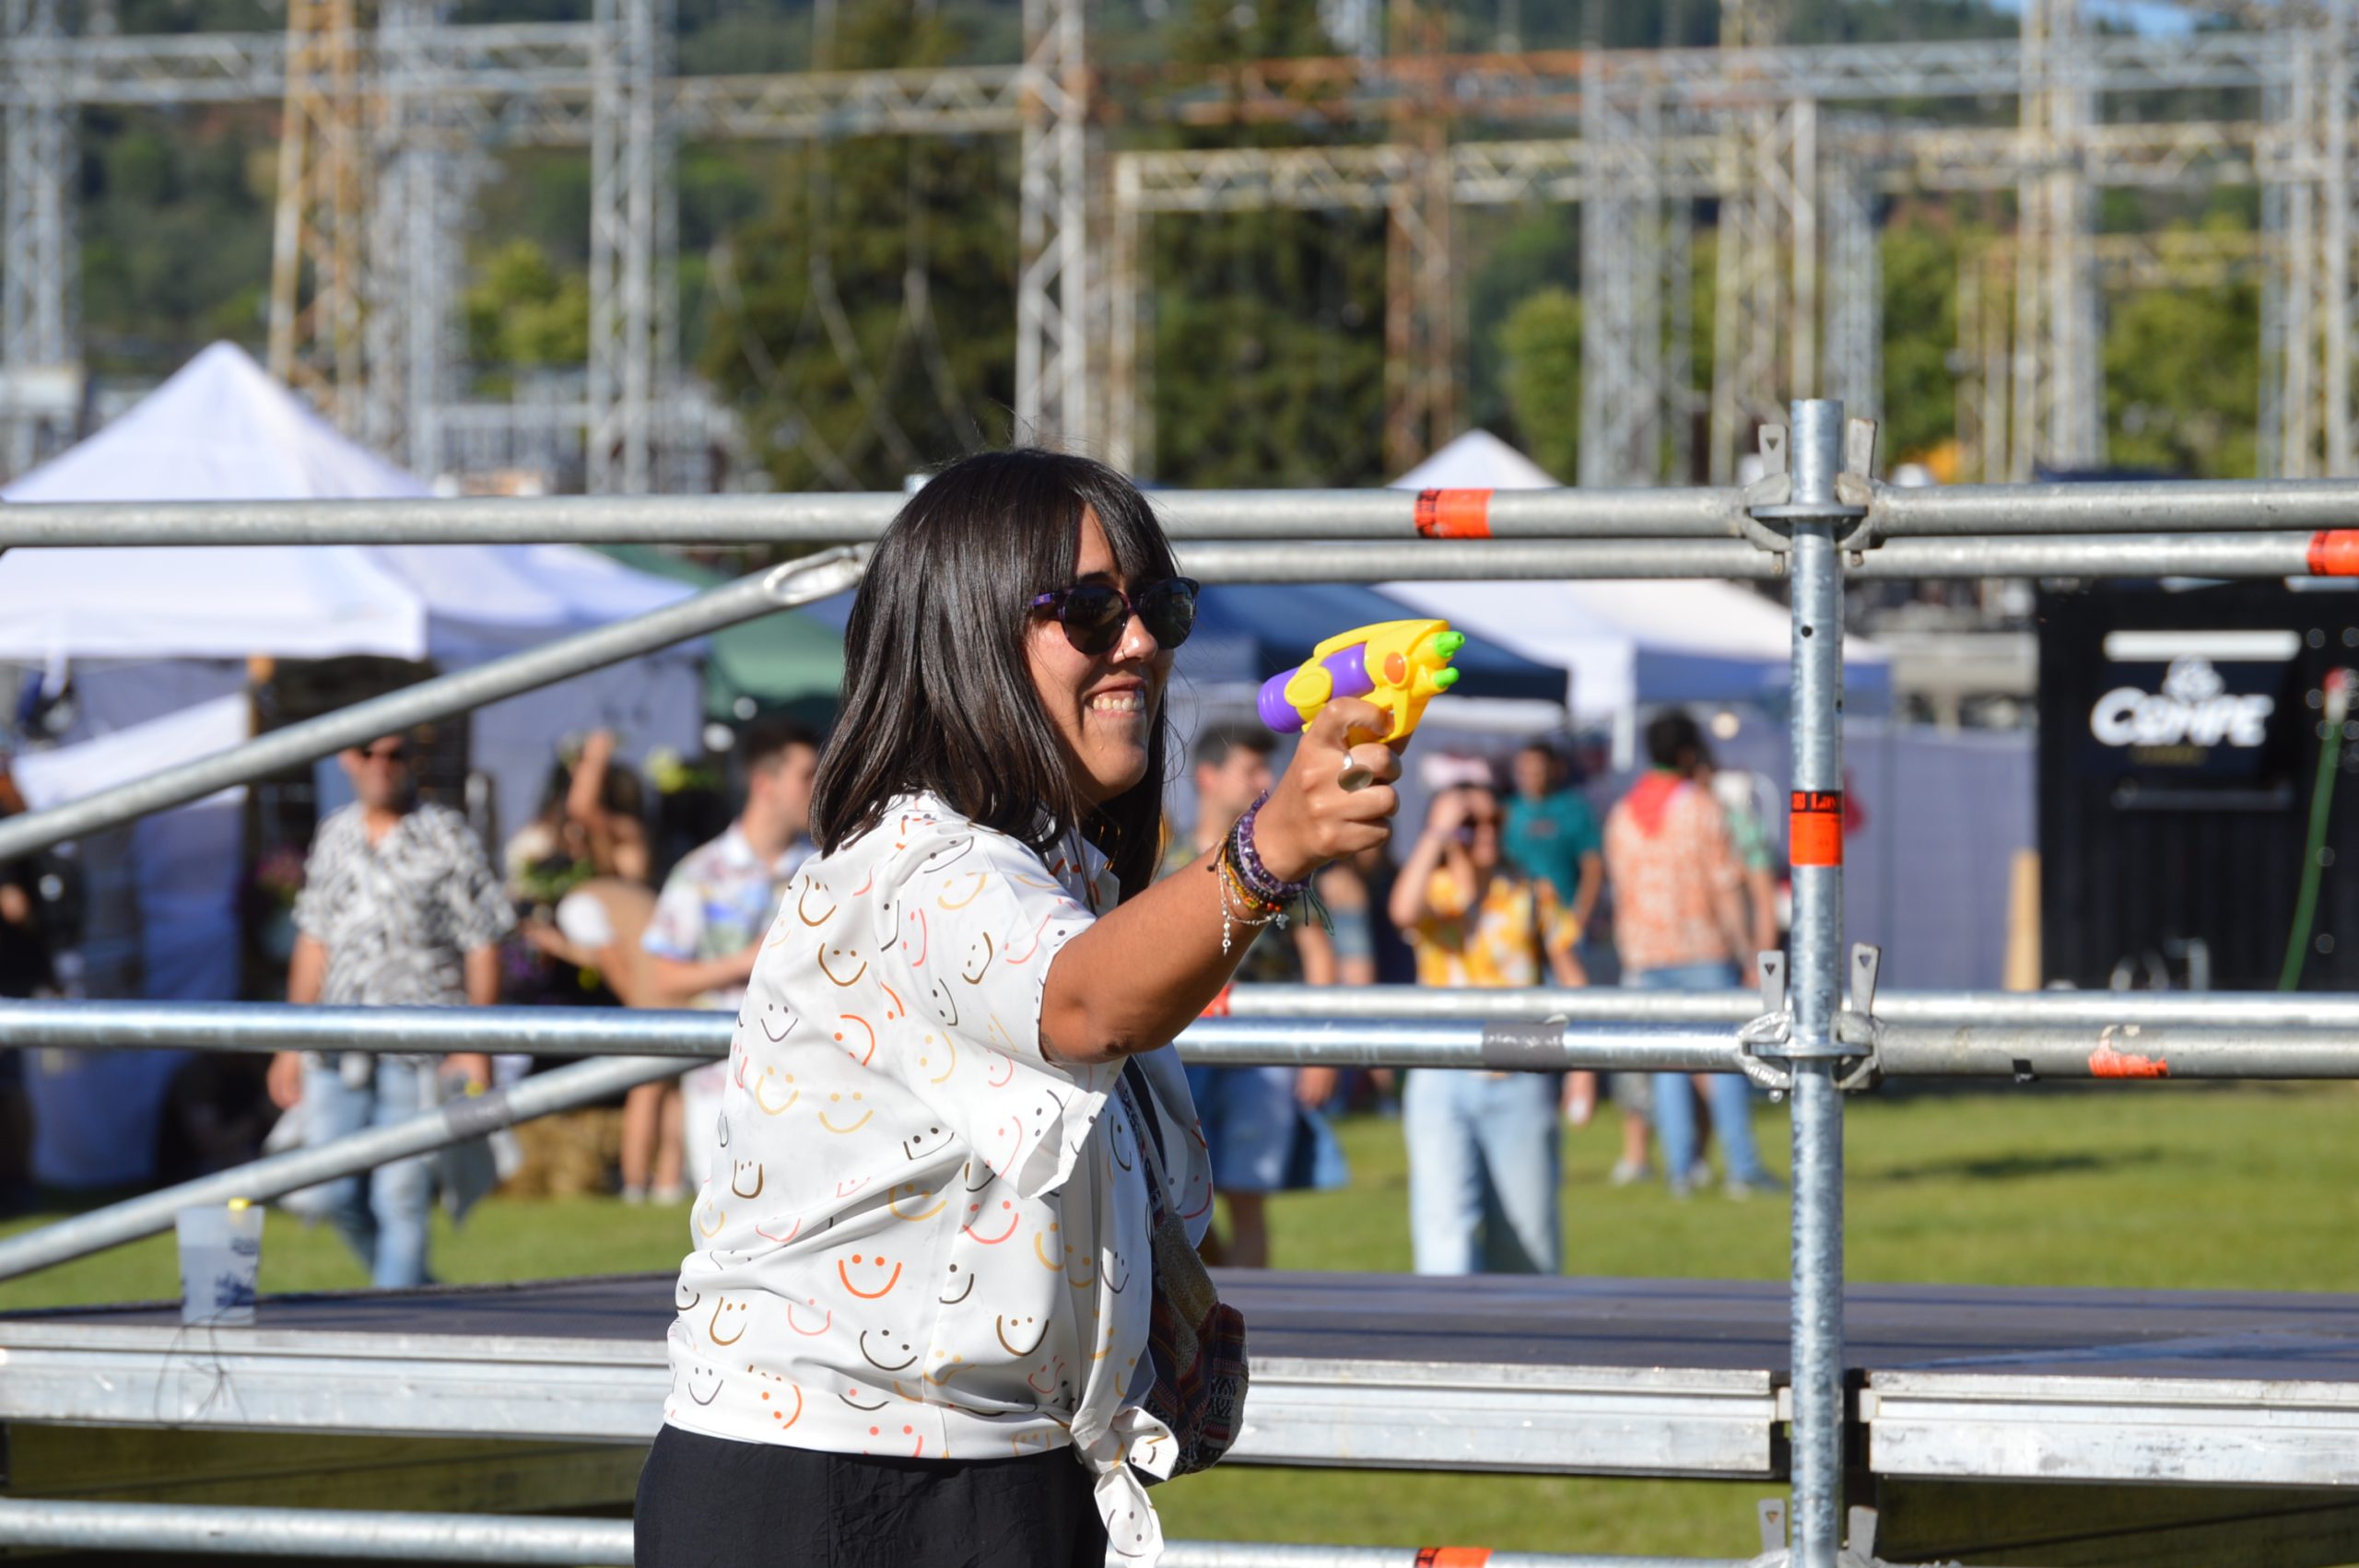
<point>1118,702</point>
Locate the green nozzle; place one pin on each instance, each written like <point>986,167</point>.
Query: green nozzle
<point>1450,643</point>
<point>1445,679</point>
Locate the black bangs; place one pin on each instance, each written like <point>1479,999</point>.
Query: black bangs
<point>937,693</point>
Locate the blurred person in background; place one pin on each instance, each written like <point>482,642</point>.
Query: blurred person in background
<point>1681,921</point>
<point>25,970</point>
<point>1253,1117</point>
<point>1483,1158</point>
<point>579,874</point>
<point>399,908</point>
<point>1552,834</point>
<point>706,932</point>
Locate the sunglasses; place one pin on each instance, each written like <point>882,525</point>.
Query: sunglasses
<point>1094,613</point>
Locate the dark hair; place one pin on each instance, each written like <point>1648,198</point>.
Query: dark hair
<point>1219,741</point>
<point>938,694</point>
<point>765,741</point>
<point>1672,738</point>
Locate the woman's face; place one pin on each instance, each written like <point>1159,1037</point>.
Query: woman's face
<point>1103,705</point>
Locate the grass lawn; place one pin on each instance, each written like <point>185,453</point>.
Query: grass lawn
<point>2151,1184</point>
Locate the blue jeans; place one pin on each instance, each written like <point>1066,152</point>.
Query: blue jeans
<point>1729,1094</point>
<point>1482,1172</point>
<point>380,1214</point>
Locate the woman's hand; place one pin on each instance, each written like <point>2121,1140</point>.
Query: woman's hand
<point>1309,818</point>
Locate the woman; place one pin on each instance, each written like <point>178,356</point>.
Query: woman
<point>1482,1156</point>
<point>915,1326</point>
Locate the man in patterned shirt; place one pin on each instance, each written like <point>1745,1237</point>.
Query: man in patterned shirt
<point>399,908</point>
<point>708,924</point>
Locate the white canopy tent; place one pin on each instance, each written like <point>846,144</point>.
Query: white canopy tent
<point>151,632</point>
<point>1627,644</point>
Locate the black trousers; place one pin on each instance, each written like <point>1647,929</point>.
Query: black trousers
<point>708,1502</point>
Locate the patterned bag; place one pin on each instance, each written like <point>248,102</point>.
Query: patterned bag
<point>1195,1341</point>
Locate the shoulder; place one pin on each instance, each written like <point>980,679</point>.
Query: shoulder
<point>696,868</point>
<point>340,823</point>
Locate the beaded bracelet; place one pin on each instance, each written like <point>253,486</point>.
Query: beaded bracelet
<point>1259,879</point>
<point>1233,893</point>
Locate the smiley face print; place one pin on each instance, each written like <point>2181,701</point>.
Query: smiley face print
<point>961,891</point>
<point>844,967</point>
<point>908,1434</point>
<point>704,1382</point>
<point>978,959</point>
<point>728,1322</point>
<point>1011,1329</point>
<point>937,1049</point>
<point>774,1092</point>
<point>926,1144</point>
<point>869,1270</point>
<point>937,1002</point>
<point>851,1113</point>
<point>975,1216</point>
<point>858,1038</point>
<point>815,894</point>
<point>949,855</point>
<point>887,1351</point>
<point>737,1178</point>
<point>776,1022</point>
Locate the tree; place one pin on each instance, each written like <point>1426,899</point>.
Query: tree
<point>1268,345</point>
<point>1540,346</point>
<point>863,324</point>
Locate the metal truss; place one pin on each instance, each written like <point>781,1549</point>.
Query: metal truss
<point>1053,286</point>
<point>1547,84</point>
<point>319,241</point>
<point>41,268</point>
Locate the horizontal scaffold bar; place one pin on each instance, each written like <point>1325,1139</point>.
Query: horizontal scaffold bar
<point>477,1538</point>
<point>2246,506</point>
<point>798,583</point>
<point>1956,1041</point>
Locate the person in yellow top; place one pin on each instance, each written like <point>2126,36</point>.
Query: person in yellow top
<point>1483,1154</point>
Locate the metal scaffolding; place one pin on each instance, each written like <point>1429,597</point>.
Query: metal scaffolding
<point>1817,1030</point>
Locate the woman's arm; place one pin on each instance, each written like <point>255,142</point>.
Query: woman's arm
<point>1146,971</point>
<point>1437,848</point>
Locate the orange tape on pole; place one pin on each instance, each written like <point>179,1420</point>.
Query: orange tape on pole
<point>1815,830</point>
<point>1218,1006</point>
<point>2335,552</point>
<point>1453,1556</point>
<point>1454,514</point>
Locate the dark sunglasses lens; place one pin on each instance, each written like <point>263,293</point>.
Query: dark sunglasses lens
<point>1167,610</point>
<point>1092,616</point>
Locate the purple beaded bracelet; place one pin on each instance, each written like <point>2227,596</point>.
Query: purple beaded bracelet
<point>1259,880</point>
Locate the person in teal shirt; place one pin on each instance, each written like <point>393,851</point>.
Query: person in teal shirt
<point>1553,834</point>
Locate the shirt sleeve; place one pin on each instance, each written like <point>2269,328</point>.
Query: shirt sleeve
<point>311,913</point>
<point>676,926</point>
<point>977,922</point>
<point>1582,834</point>
<point>479,907</point>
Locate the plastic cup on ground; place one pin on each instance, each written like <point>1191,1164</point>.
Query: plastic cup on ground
<point>220,1263</point>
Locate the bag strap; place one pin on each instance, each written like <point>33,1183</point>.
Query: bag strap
<point>1138,1096</point>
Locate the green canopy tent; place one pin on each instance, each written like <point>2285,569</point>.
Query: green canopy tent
<point>788,663</point>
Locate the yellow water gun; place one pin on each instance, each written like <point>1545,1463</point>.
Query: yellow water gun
<point>1397,665</point>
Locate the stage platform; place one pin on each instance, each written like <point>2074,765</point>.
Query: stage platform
<point>1663,1377</point>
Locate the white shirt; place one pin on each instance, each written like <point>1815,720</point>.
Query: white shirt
<point>924,1237</point>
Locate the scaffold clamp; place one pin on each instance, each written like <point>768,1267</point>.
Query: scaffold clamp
<point>1766,1045</point>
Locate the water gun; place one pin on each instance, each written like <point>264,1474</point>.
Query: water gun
<point>1398,665</point>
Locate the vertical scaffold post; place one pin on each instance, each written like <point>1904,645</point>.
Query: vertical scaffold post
<point>1814,978</point>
